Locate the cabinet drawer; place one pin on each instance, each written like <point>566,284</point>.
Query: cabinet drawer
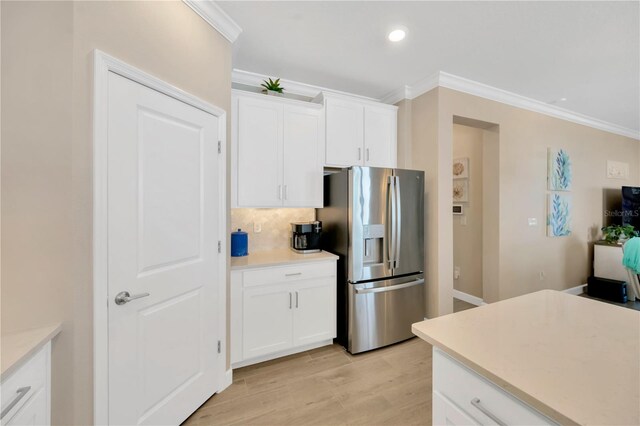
<point>461,386</point>
<point>286,274</point>
<point>32,375</point>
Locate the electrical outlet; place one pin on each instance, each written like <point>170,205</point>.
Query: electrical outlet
<point>456,272</point>
<point>533,221</point>
<point>542,276</point>
<point>257,227</point>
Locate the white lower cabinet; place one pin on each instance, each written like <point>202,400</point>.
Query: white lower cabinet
<point>26,393</point>
<point>281,310</point>
<point>463,397</point>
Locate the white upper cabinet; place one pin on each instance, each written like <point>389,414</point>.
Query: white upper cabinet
<point>345,132</point>
<point>380,136</point>
<point>259,148</point>
<point>359,132</point>
<point>276,152</point>
<point>303,140</point>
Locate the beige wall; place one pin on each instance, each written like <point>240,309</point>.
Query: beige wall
<point>47,155</point>
<point>524,251</point>
<point>467,229</point>
<point>275,223</point>
<point>422,151</point>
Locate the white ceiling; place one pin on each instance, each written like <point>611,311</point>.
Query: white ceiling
<point>588,52</point>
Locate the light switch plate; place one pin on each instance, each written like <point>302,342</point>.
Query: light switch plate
<point>617,170</point>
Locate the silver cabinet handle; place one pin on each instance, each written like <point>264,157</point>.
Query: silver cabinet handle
<point>359,154</point>
<point>476,403</point>
<point>296,299</point>
<point>21,393</point>
<point>124,297</point>
<point>290,304</point>
<point>367,154</point>
<point>293,274</point>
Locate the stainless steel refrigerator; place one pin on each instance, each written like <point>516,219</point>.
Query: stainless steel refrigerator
<point>374,220</point>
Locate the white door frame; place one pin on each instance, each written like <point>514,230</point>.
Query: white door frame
<point>103,64</point>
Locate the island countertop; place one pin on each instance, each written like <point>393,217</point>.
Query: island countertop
<point>573,359</point>
<point>278,257</point>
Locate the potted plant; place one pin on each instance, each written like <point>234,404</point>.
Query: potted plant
<point>272,87</point>
<point>618,234</point>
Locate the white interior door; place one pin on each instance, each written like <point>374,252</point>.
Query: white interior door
<point>302,166</point>
<point>162,241</point>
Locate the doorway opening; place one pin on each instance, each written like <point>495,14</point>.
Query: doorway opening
<point>475,174</point>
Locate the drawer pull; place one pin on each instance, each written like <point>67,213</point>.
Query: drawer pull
<point>476,403</point>
<point>293,275</point>
<point>21,393</point>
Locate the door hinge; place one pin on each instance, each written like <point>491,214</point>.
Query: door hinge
<point>219,147</point>
<point>219,347</point>
<point>219,246</point>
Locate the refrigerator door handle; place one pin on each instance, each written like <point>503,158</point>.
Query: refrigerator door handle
<point>391,245</point>
<point>398,220</point>
<point>360,290</point>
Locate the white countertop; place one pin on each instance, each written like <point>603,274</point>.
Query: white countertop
<point>278,257</point>
<point>574,359</point>
<point>17,347</point>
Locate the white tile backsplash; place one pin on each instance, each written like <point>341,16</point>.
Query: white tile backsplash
<point>275,223</point>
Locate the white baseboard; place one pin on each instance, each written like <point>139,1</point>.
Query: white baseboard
<point>291,351</point>
<point>579,289</point>
<point>466,297</point>
<point>227,379</point>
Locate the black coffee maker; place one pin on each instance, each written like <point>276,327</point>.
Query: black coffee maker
<point>305,236</point>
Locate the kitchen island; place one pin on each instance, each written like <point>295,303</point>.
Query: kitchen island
<point>543,358</point>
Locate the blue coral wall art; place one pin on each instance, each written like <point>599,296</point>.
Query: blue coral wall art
<point>559,218</point>
<point>559,170</point>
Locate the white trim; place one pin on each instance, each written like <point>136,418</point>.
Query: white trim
<point>102,65</point>
<point>577,290</point>
<point>290,351</point>
<point>227,380</point>
<point>460,84</point>
<point>216,17</point>
<point>295,87</point>
<point>466,297</point>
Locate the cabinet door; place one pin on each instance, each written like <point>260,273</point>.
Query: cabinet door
<point>380,136</point>
<point>34,412</point>
<point>302,181</point>
<point>267,320</point>
<point>345,133</point>
<point>447,413</point>
<point>259,153</point>
<point>314,316</point>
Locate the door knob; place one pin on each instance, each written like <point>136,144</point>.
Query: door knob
<point>124,297</point>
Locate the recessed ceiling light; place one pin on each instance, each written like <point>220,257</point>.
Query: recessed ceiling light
<point>563,99</point>
<point>397,35</point>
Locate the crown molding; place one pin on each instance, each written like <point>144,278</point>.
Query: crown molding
<point>461,84</point>
<point>485,91</point>
<point>216,17</point>
<point>255,79</point>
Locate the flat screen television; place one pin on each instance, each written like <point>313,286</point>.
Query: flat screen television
<point>631,206</point>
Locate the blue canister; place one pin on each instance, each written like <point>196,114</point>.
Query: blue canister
<point>239,243</point>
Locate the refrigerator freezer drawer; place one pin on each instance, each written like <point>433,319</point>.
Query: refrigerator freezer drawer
<point>381,312</point>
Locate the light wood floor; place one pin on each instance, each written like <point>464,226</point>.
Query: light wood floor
<point>328,386</point>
